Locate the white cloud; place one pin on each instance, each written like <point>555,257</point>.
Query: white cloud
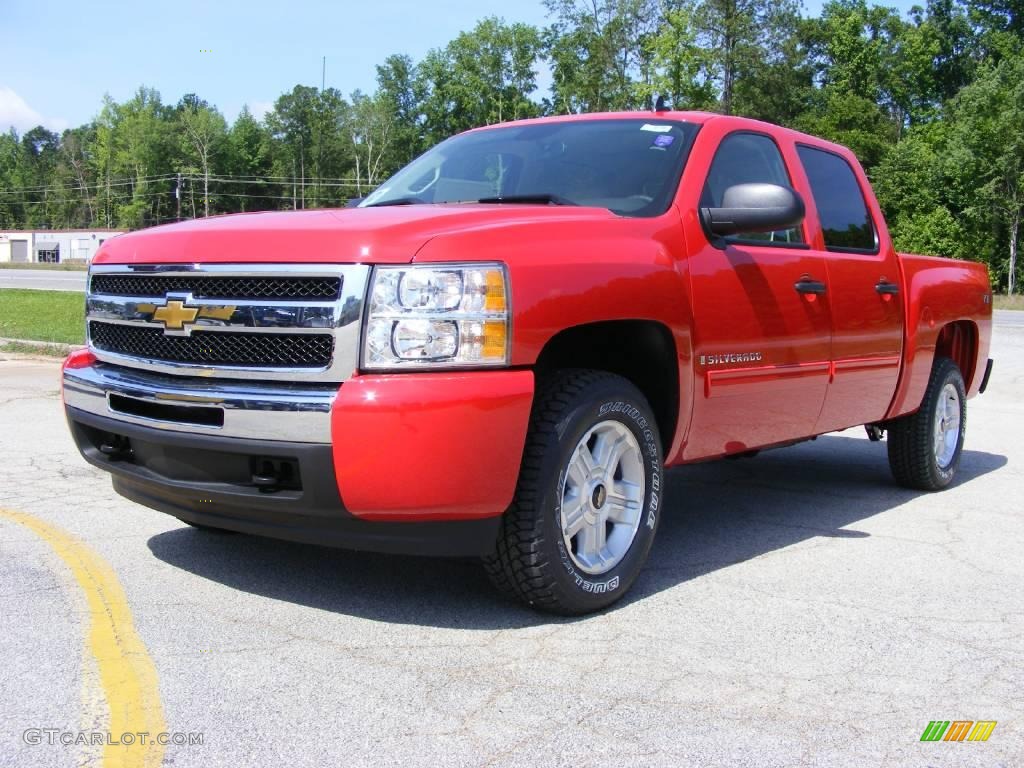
<point>16,113</point>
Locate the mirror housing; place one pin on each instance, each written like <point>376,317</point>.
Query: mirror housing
<point>754,208</point>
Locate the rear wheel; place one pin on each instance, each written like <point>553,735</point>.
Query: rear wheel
<point>925,447</point>
<point>586,505</point>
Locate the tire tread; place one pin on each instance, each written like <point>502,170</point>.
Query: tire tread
<point>517,565</point>
<point>909,439</point>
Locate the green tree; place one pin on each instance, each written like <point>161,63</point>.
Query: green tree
<point>855,49</point>
<point>597,52</point>
<point>483,76</point>
<point>743,37</point>
<point>679,67</point>
<point>912,189</point>
<point>400,89</point>
<point>306,125</point>
<point>985,157</point>
<point>204,131</point>
<point>851,120</point>
<point>370,127</point>
<point>248,160</point>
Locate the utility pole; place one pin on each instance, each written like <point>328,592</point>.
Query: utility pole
<point>319,137</point>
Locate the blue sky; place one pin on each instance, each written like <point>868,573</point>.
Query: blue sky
<point>61,56</point>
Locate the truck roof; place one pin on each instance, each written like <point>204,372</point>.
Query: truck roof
<point>695,118</point>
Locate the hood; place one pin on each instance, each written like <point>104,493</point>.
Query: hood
<point>387,235</point>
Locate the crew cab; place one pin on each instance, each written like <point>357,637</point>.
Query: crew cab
<point>499,351</point>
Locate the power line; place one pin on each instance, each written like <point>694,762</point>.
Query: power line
<point>76,187</point>
<point>334,181</point>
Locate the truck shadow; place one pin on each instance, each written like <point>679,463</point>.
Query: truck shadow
<point>717,515</point>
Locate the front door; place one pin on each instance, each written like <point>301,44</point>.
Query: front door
<point>760,315</point>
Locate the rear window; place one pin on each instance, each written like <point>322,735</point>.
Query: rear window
<point>845,219</point>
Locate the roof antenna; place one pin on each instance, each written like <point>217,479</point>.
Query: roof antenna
<point>659,105</point>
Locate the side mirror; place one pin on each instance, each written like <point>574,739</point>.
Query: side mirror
<point>754,208</point>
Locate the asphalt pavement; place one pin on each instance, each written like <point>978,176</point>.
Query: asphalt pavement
<point>43,279</point>
<point>798,609</point>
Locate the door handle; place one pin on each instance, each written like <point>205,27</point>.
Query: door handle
<point>886,288</point>
<point>810,286</point>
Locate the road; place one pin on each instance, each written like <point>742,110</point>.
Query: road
<point>798,609</point>
<point>43,279</point>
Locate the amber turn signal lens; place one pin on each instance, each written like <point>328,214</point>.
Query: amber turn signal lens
<point>495,340</point>
<point>495,283</point>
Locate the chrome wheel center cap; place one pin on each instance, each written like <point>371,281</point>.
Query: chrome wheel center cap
<point>599,496</point>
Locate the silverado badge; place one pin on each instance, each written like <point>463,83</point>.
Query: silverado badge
<point>745,357</point>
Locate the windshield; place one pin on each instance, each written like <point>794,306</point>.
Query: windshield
<point>631,167</point>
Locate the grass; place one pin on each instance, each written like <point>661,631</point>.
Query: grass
<point>67,266</point>
<point>43,350</point>
<point>54,316</point>
<point>1009,302</point>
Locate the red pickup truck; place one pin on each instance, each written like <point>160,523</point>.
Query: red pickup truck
<point>498,351</point>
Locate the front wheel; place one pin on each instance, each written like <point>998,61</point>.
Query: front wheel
<point>587,503</point>
<point>925,447</point>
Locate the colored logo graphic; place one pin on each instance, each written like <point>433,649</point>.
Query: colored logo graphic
<point>958,730</point>
<point>175,314</point>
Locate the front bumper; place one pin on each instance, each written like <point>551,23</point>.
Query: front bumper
<point>413,463</point>
<point>243,409</point>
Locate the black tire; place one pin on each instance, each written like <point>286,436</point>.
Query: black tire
<point>912,441</point>
<point>531,561</point>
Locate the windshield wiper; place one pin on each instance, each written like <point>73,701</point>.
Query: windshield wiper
<point>542,198</point>
<point>398,201</point>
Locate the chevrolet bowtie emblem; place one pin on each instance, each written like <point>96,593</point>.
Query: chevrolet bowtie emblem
<point>174,315</point>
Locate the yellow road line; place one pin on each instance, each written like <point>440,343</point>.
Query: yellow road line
<point>127,674</point>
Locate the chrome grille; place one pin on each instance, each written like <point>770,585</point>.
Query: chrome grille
<point>219,287</point>
<point>278,350</point>
<point>275,322</point>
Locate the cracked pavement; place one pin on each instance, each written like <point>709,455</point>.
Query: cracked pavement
<point>798,609</point>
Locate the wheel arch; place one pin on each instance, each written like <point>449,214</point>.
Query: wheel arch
<point>641,351</point>
<point>959,342</point>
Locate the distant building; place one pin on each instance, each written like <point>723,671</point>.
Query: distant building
<point>53,246</point>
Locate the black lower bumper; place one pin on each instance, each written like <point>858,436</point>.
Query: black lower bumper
<point>267,488</point>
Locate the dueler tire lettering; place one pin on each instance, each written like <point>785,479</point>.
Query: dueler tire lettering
<point>531,561</point>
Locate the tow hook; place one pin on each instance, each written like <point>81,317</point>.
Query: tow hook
<point>116,448</point>
<point>875,432</point>
<point>270,474</point>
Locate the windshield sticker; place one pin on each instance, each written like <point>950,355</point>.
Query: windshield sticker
<point>655,128</point>
<point>663,142</point>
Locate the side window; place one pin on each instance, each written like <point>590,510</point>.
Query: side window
<point>845,219</point>
<point>748,158</point>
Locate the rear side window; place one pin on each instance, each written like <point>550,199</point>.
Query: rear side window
<point>748,158</point>
<point>845,219</point>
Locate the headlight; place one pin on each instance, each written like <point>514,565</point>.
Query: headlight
<point>437,316</point>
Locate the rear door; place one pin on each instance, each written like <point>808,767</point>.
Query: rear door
<point>864,291</point>
<point>761,342</point>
